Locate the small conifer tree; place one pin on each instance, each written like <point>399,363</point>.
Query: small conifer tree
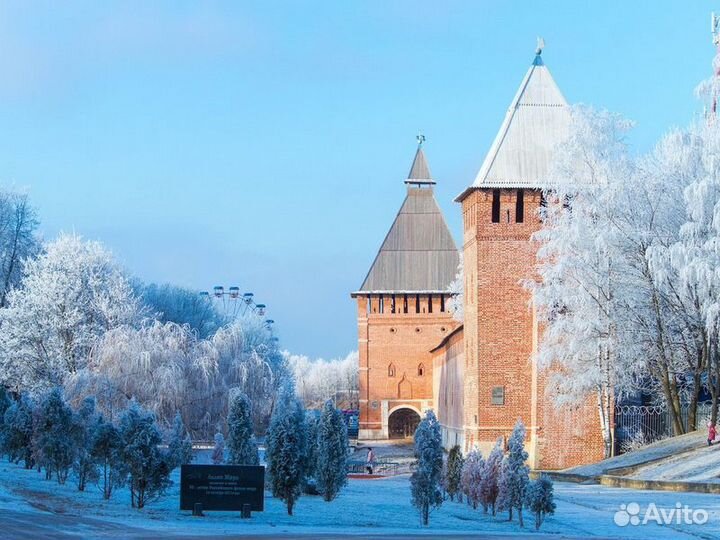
<point>515,474</point>
<point>453,473</point>
<point>218,453</point>
<point>106,452</point>
<point>180,445</point>
<point>242,449</point>
<point>332,451</point>
<point>426,479</point>
<point>286,447</point>
<point>539,499</point>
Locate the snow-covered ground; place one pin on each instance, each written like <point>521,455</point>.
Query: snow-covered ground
<point>701,465</point>
<point>672,447</point>
<point>364,507</point>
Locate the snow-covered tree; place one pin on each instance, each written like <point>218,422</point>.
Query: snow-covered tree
<point>457,291</point>
<point>488,489</point>
<point>18,242</point>
<point>241,445</point>
<point>218,453</point>
<point>286,447</point>
<point>17,434</point>
<point>539,498</point>
<point>312,424</point>
<point>67,298</point>
<point>514,476</point>
<point>5,403</point>
<point>471,475</point>
<point>426,480</point>
<point>453,473</point>
<point>56,435</point>
<point>107,453</point>
<point>170,303</point>
<point>142,461</point>
<point>180,450</point>
<point>86,422</point>
<point>332,451</point>
<point>319,380</point>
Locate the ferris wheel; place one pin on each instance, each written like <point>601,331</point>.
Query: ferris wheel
<point>233,305</point>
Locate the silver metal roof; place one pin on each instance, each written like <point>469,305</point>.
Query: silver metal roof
<point>537,120</point>
<point>419,253</point>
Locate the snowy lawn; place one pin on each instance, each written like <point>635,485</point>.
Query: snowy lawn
<point>363,507</point>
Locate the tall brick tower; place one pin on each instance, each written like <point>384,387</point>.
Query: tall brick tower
<point>402,311</point>
<point>500,213</point>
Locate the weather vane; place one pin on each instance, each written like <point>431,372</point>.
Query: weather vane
<point>540,45</point>
<point>420,139</point>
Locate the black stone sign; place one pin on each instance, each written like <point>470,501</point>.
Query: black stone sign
<point>222,487</point>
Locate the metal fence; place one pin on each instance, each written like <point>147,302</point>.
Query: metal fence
<point>649,423</point>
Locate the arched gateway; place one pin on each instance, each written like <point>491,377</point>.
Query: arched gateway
<point>402,423</point>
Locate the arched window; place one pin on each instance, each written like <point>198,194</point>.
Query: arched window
<point>391,370</point>
<point>421,370</point>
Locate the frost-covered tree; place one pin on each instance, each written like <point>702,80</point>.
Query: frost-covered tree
<point>453,473</point>
<point>319,380</point>
<point>180,450</point>
<point>17,434</point>
<point>488,489</point>
<point>457,292</point>
<point>312,425</point>
<point>426,480</point>
<point>56,435</point>
<point>539,499</point>
<point>241,445</point>
<point>18,242</point>
<point>68,297</point>
<point>514,476</point>
<point>86,422</point>
<point>171,303</point>
<point>106,451</point>
<point>332,451</point>
<point>471,475</point>
<point>218,453</point>
<point>286,447</point>
<point>5,403</point>
<point>142,462</point>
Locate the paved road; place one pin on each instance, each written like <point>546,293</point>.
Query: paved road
<point>20,525</point>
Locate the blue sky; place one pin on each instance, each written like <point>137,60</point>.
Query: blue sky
<point>265,144</point>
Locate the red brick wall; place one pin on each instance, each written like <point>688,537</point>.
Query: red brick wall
<point>501,338</point>
<point>403,340</point>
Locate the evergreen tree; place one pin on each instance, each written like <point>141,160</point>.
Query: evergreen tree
<point>106,452</point>
<point>56,435</point>
<point>18,431</point>
<point>180,445</point>
<point>86,423</point>
<point>539,498</point>
<point>5,403</point>
<point>471,475</point>
<point>490,477</point>
<point>453,473</point>
<point>242,449</point>
<point>218,454</point>
<point>142,462</point>
<point>312,423</point>
<point>286,447</point>
<point>332,450</point>
<point>425,481</point>
<point>514,477</point>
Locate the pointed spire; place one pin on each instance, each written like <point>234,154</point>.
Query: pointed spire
<point>419,171</point>
<point>524,149</point>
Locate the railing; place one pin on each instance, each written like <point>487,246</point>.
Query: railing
<point>385,468</point>
<point>649,423</point>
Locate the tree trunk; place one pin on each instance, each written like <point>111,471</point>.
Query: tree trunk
<point>538,521</point>
<point>426,514</point>
<point>290,503</point>
<point>520,517</point>
<point>510,513</point>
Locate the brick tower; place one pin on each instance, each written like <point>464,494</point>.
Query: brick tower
<point>402,311</point>
<point>500,213</point>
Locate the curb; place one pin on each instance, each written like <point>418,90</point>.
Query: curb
<point>659,485</point>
